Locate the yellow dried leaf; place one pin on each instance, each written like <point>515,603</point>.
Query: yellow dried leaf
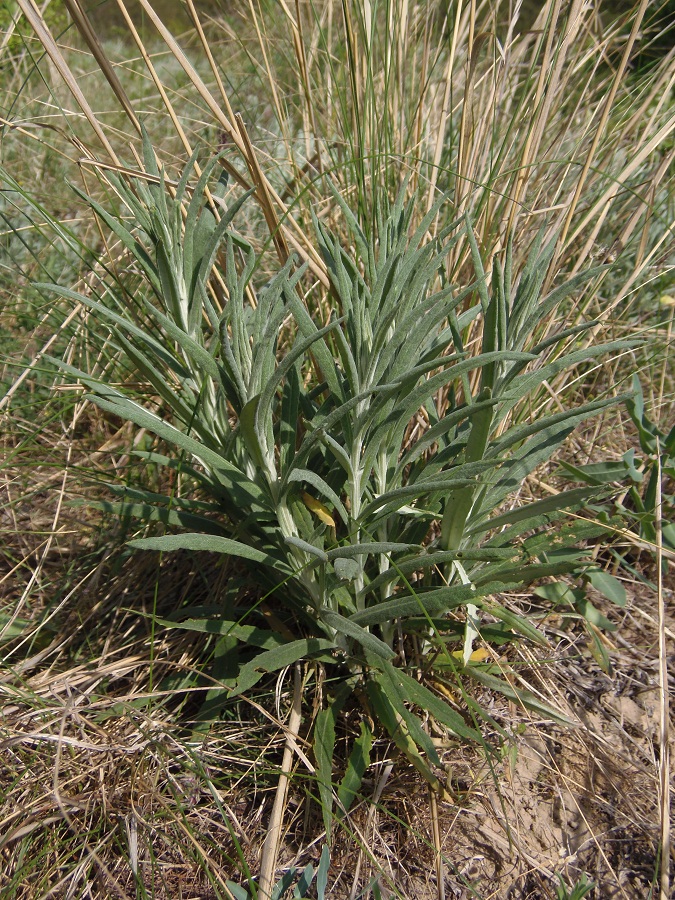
<point>477,656</point>
<point>320,511</point>
<point>446,692</point>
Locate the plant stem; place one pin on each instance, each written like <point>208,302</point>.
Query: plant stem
<point>271,846</point>
<point>664,755</point>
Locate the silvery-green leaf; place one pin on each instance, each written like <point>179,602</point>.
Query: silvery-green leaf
<point>347,569</point>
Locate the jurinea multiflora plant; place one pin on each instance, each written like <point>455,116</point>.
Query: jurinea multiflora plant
<point>362,528</point>
<point>439,188</point>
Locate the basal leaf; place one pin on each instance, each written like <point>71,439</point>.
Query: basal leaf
<point>324,750</point>
<point>247,634</point>
<point>593,615</point>
<point>210,543</point>
<point>609,586</point>
<point>518,623</point>
<point>322,873</point>
<point>421,696</point>
<point>395,723</point>
<point>556,592</point>
<point>517,695</point>
<point>357,766</point>
<point>149,513</point>
<point>431,602</point>
<point>280,658</point>
<point>597,473</point>
<point>368,641</point>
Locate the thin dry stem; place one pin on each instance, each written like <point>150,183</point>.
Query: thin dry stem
<point>270,853</point>
<point>664,705</point>
<point>607,108</point>
<point>438,846</point>
<point>37,22</point>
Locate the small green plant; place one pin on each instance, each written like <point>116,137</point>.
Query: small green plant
<point>576,599</point>
<point>641,476</point>
<point>576,891</point>
<point>13,42</point>
<point>300,881</point>
<point>357,468</point>
<point>634,483</point>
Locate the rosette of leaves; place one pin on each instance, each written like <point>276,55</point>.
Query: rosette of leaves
<point>359,467</point>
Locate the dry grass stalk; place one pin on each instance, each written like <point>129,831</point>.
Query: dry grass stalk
<point>664,705</point>
<point>606,110</point>
<point>37,22</point>
<point>275,824</point>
